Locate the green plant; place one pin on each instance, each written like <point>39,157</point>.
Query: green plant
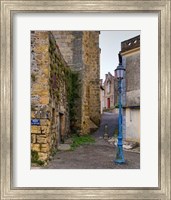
<point>72,82</point>
<point>35,158</point>
<point>40,162</point>
<point>81,140</point>
<point>60,75</point>
<point>53,152</point>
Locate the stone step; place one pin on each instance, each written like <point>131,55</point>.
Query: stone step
<point>64,147</point>
<point>68,141</point>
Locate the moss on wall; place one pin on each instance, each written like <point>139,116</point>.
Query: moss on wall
<point>72,83</point>
<point>63,80</point>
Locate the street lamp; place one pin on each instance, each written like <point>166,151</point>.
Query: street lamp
<point>119,73</point>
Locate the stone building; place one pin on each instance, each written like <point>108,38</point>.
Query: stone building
<point>81,51</point>
<point>109,96</point>
<point>65,85</point>
<point>130,52</point>
<point>101,96</point>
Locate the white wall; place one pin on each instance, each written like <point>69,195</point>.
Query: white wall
<point>133,124</point>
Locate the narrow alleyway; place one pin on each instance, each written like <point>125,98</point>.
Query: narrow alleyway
<point>98,155</point>
<point>111,120</point>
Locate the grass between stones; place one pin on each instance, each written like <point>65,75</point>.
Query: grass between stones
<point>35,158</point>
<point>81,140</point>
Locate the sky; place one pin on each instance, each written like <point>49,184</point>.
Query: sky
<point>110,44</point>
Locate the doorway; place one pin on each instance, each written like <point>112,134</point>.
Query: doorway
<point>61,128</point>
<point>108,102</point>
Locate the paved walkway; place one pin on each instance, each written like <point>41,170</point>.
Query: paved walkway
<point>99,155</point>
<point>111,120</point>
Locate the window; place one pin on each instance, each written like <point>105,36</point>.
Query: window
<point>109,87</point>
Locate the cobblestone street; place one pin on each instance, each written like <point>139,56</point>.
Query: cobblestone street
<point>99,155</point>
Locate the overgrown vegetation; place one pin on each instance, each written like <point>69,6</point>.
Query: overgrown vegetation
<point>81,140</point>
<point>72,92</point>
<point>61,76</point>
<point>35,158</point>
<point>53,152</point>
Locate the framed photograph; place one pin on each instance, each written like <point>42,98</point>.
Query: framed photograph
<point>52,95</point>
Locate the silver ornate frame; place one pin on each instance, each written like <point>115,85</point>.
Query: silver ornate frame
<point>163,8</point>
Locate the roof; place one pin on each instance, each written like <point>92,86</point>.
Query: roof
<point>109,76</point>
<point>130,43</point>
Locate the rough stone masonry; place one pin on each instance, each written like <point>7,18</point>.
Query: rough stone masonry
<point>65,82</point>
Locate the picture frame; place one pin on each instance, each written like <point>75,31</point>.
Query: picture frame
<point>8,9</point>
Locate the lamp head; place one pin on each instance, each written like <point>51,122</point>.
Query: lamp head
<point>120,71</point>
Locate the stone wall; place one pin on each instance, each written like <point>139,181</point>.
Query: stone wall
<point>65,87</point>
<point>133,79</point>
<point>130,44</point>
<point>59,86</point>
<point>70,44</point>
<point>49,102</point>
<point>133,65</point>
<point>130,52</point>
<point>40,63</point>
<point>91,82</point>
<point>81,52</point>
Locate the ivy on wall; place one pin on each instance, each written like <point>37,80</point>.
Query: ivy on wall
<point>72,93</point>
<point>62,79</point>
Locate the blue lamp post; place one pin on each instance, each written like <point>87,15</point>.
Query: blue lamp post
<point>119,73</point>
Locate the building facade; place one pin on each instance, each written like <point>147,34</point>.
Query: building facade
<point>102,91</point>
<point>130,52</point>
<point>109,90</point>
<point>65,82</point>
